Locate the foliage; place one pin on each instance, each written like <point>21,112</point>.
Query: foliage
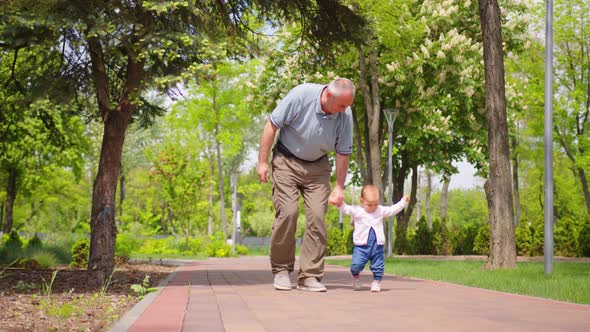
<point>464,238</point>
<point>241,250</point>
<point>80,252</point>
<point>481,244</point>
<point>524,239</point>
<point>423,238</point>
<point>566,238</point>
<point>217,246</point>
<point>14,241</point>
<point>126,244</point>
<point>141,290</point>
<point>34,243</point>
<point>584,238</point>
<point>441,238</point>
<point>336,242</point>
<point>45,259</point>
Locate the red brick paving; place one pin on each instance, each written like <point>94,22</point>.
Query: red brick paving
<point>236,294</point>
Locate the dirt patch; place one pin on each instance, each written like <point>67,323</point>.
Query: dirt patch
<point>74,303</point>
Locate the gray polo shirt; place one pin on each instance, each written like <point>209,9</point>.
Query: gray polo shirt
<point>306,130</point>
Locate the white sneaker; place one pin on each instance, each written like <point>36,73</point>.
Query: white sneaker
<point>376,286</point>
<point>356,284</point>
<point>282,281</point>
<point>311,284</point>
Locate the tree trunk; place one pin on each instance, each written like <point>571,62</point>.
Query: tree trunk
<point>221,184</point>
<point>10,198</point>
<point>359,148</point>
<point>584,182</point>
<point>102,224</point>
<point>163,207</point>
<point>428,194</point>
<point>444,201</point>
<point>498,186</point>
<point>122,192</point>
<point>419,202</point>
<point>171,219</point>
<point>103,227</point>
<point>517,207</point>
<point>373,110</point>
<point>211,191</point>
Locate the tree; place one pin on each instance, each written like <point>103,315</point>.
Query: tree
<point>498,187</point>
<point>135,45</point>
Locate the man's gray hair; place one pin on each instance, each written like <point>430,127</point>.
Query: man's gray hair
<point>341,85</point>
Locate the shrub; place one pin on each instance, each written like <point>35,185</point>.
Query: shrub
<point>125,244</point>
<point>401,244</point>
<point>241,250</point>
<point>565,238</point>
<point>80,253</point>
<point>524,239</point>
<point>336,242</point>
<point>441,238</point>
<point>217,246</point>
<point>14,241</point>
<point>584,239</point>
<point>34,243</point>
<point>538,237</point>
<point>464,237</point>
<point>348,234</point>
<point>29,264</point>
<point>481,244</point>
<point>423,238</point>
<point>45,259</point>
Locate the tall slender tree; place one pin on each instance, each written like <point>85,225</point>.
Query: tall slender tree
<point>498,186</point>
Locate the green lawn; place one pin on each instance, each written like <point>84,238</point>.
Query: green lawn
<point>570,281</point>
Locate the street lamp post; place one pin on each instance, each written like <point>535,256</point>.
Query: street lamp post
<point>390,114</point>
<point>548,206</point>
<point>234,185</point>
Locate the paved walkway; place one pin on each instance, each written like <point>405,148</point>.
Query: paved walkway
<point>236,294</point>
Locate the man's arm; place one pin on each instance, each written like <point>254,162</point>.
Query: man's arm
<point>268,136</point>
<point>337,196</point>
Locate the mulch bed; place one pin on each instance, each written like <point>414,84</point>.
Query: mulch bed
<point>75,302</point>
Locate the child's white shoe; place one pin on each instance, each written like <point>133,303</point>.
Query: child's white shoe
<point>376,286</point>
<point>356,283</point>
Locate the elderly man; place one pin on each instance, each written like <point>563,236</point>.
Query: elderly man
<point>313,120</point>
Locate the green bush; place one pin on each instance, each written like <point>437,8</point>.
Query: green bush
<point>524,239</point>
<point>464,237</point>
<point>152,246</point>
<point>538,237</point>
<point>423,238</point>
<point>401,245</point>
<point>80,253</point>
<point>411,242</point>
<point>125,245</point>
<point>45,259</point>
<point>14,241</point>
<point>441,238</point>
<point>584,238</point>
<point>566,238</point>
<point>481,244</point>
<point>241,250</point>
<point>348,233</point>
<point>217,246</point>
<point>336,242</point>
<point>34,243</point>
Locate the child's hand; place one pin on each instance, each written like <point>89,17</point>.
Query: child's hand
<point>406,198</point>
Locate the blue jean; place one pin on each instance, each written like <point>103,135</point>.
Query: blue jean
<point>370,252</point>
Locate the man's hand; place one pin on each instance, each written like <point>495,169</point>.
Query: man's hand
<point>263,171</point>
<point>337,196</point>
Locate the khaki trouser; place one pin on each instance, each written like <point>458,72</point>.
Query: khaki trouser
<point>292,177</point>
